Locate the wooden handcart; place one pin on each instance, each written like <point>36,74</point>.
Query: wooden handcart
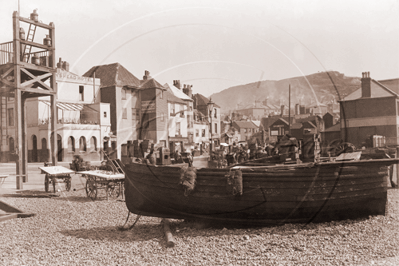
<point>111,182</point>
<point>56,174</point>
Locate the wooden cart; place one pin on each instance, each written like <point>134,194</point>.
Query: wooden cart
<point>112,183</point>
<point>56,174</point>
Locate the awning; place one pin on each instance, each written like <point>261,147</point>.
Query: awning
<point>67,106</point>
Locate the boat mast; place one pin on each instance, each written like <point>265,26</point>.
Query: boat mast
<point>289,109</point>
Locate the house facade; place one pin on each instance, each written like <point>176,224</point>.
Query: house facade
<point>81,124</point>
<point>177,123</point>
<point>245,128</point>
<point>370,110</point>
<point>201,104</point>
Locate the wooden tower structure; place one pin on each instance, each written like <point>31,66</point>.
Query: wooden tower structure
<point>27,70</point>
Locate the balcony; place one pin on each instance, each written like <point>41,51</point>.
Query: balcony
<point>68,121</point>
<point>38,57</point>
<point>6,53</point>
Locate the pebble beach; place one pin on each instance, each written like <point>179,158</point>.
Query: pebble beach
<point>70,229</point>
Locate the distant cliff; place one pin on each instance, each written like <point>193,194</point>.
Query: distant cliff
<point>327,86</point>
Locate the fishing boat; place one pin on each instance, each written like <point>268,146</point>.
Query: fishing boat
<point>258,193</point>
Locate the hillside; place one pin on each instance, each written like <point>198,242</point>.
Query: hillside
<point>325,85</point>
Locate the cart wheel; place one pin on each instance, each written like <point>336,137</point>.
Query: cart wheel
<point>46,183</point>
<point>68,183</point>
<point>91,189</point>
<point>112,190</point>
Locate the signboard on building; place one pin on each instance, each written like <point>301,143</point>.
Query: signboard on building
<point>148,106</point>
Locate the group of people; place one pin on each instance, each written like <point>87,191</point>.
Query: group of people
<point>178,158</point>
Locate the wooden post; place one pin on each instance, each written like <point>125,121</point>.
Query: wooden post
<point>54,147</point>
<point>397,168</point>
<point>17,101</point>
<point>53,99</point>
<point>24,141</point>
<point>289,109</point>
<point>170,242</point>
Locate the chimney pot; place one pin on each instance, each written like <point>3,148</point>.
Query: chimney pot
<point>366,85</point>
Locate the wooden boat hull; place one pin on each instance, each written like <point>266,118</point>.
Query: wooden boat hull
<point>271,195</point>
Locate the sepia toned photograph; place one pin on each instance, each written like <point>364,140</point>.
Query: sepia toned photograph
<point>199,132</point>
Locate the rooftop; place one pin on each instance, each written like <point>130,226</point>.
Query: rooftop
<point>113,75</point>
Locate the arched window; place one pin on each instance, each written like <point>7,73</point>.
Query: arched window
<point>82,144</point>
<point>44,144</point>
<point>71,144</point>
<point>93,143</point>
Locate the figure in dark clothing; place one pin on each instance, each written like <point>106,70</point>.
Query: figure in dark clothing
<point>178,157</point>
<point>151,157</point>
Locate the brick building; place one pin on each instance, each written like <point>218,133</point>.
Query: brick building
<point>373,109</point>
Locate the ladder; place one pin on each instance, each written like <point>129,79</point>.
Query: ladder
<point>28,48</point>
<point>117,166</point>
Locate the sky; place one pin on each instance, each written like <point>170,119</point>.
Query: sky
<point>217,44</point>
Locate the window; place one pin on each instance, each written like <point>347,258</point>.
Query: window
<point>11,117</point>
<point>124,113</point>
<point>197,132</point>
<point>162,117</point>
<point>189,121</point>
<point>245,130</point>
<point>11,145</point>
<point>172,109</point>
<point>178,129</point>
<point>44,144</point>
<point>203,132</point>
<point>93,143</point>
<point>82,144</point>
<point>216,127</point>
<point>105,114</point>
<point>81,93</point>
<point>71,144</point>
<point>161,95</point>
<point>123,92</point>
<point>215,111</point>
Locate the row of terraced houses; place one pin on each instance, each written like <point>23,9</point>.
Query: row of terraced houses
<point>108,106</point>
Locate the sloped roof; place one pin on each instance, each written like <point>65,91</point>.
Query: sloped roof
<point>113,75</point>
<point>259,106</point>
<point>177,92</point>
<point>257,123</point>
<point>202,100</point>
<point>378,89</point>
<point>198,113</point>
<point>317,105</point>
<point>267,121</point>
<point>334,128</point>
<point>392,84</point>
<point>245,124</point>
<point>172,98</point>
<point>150,83</point>
<point>296,126</point>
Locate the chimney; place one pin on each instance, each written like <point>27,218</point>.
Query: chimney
<point>65,65</point>
<point>146,75</point>
<point>302,109</point>
<point>265,102</point>
<point>176,83</point>
<point>282,110</point>
<point>188,91</point>
<point>366,85</point>
<point>59,64</point>
<point>297,111</point>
